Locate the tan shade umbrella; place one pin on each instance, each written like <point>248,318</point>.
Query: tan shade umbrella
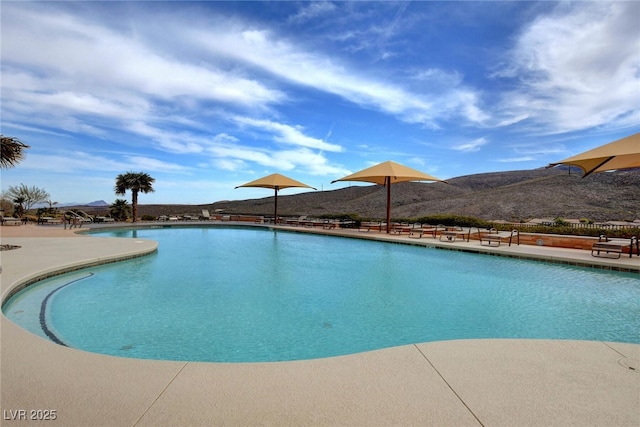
<point>387,173</point>
<point>621,154</point>
<point>277,182</point>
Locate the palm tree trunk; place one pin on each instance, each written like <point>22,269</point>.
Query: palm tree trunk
<point>134,203</point>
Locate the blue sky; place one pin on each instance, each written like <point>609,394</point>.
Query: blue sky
<point>205,96</point>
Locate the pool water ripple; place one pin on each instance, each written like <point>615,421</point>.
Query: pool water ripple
<point>248,295</point>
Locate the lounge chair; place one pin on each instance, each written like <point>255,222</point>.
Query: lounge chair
<point>104,219</point>
<point>50,220</point>
<point>432,229</point>
<point>335,223</point>
<point>85,216</point>
<point>204,215</point>
<point>367,226</point>
<point>75,217</point>
<point>10,221</point>
<point>399,228</point>
<point>450,234</point>
<point>416,233</point>
<point>493,236</point>
<point>301,220</point>
<point>347,223</point>
<point>328,224</point>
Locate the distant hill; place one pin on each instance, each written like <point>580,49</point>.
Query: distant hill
<point>513,195</point>
<point>97,203</point>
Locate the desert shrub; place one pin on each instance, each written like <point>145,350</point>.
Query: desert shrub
<point>148,217</point>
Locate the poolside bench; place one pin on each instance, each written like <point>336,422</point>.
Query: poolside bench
<point>493,236</point>
<point>607,248</point>
<point>631,242</point>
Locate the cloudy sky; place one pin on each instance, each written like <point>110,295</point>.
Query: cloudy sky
<point>205,96</point>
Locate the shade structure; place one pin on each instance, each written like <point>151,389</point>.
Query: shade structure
<point>277,182</point>
<point>387,173</point>
<point>621,154</point>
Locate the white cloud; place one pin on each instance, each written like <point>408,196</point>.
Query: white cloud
<point>230,164</point>
<point>94,77</point>
<point>80,161</point>
<point>517,159</point>
<point>312,10</point>
<point>171,141</point>
<point>150,164</point>
<point>578,68</point>
<point>263,49</point>
<point>288,134</point>
<point>235,157</point>
<point>84,55</point>
<point>70,73</point>
<point>471,146</point>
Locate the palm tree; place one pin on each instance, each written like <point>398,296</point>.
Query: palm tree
<point>11,151</point>
<point>119,210</point>
<point>136,182</point>
<point>18,208</point>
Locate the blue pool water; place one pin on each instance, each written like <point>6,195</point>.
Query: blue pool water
<point>252,294</point>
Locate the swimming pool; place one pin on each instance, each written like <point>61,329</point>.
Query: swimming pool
<point>257,294</point>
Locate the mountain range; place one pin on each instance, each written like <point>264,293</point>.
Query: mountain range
<point>95,204</point>
<point>512,196</point>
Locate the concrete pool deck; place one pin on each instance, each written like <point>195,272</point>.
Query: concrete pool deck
<point>493,382</point>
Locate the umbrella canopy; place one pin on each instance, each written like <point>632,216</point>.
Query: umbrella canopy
<point>277,182</point>
<point>621,154</point>
<point>387,173</point>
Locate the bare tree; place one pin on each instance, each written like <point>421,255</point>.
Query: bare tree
<point>26,196</point>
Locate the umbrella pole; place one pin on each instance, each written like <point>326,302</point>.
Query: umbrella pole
<point>388,182</point>
<point>275,213</point>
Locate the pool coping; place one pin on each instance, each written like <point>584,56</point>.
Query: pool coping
<point>471,382</point>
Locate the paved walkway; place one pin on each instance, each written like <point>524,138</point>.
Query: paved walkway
<point>451,383</point>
